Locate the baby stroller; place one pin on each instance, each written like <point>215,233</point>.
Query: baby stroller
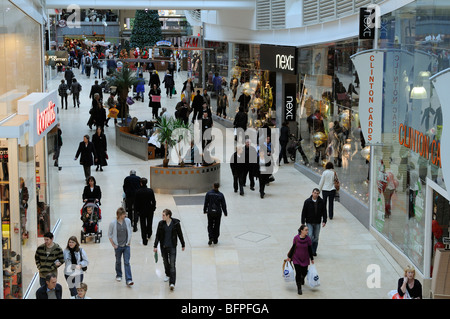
<point>91,215</point>
<point>104,85</point>
<point>294,145</point>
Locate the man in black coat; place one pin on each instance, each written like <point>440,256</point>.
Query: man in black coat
<point>240,122</point>
<point>96,88</point>
<point>284,139</point>
<point>145,206</point>
<point>313,213</point>
<point>238,168</point>
<point>51,289</point>
<point>214,206</point>
<point>68,75</point>
<point>88,155</point>
<point>131,184</point>
<point>197,105</point>
<point>251,163</point>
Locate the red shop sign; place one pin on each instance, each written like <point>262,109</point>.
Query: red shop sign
<point>45,118</point>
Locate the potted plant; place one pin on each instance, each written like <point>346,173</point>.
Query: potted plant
<point>123,80</point>
<point>171,133</point>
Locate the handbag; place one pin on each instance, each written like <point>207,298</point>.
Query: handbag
<point>337,183</point>
<point>288,271</point>
<point>183,96</point>
<point>106,155</point>
<point>81,259</point>
<point>156,98</point>
<point>130,101</point>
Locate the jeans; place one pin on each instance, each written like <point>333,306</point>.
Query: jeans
<point>125,251</point>
<point>329,195</point>
<point>169,255</point>
<point>63,98</point>
<point>314,231</point>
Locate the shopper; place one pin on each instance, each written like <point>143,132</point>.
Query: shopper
<point>326,186</point>
<point>408,285</point>
<point>101,147</point>
<point>240,123</point>
<point>98,113</point>
<point>81,292</point>
<point>301,254</point>
<point>63,91</point>
<point>251,164</point>
<point>119,234</point>
<point>145,206</point>
<point>222,104</point>
<point>238,169</point>
<point>75,90</point>
<point>76,260</point>
<point>265,170</point>
<point>168,83</point>
<point>206,98</point>
<point>214,206</point>
<point>131,184</point>
<point>57,146</point>
<point>155,100</point>
<point>314,212</point>
<point>140,88</point>
<point>169,229</point>
<point>154,79</point>
<point>284,139</point>
<point>96,88</point>
<point>88,155</point>
<point>197,106</point>
<point>48,257</point>
<point>188,89</point>
<point>87,65</point>
<point>92,192</point>
<point>50,289</point>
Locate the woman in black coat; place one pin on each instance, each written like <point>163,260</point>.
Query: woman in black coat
<point>92,192</point>
<point>155,100</point>
<point>101,147</point>
<point>88,155</point>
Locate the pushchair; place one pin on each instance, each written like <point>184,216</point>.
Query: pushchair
<point>91,215</point>
<point>293,146</point>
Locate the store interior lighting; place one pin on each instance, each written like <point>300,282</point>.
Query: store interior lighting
<point>418,93</point>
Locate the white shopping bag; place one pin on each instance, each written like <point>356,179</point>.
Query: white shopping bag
<point>288,271</point>
<point>312,277</point>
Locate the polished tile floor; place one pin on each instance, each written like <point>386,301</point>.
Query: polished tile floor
<point>255,237</point>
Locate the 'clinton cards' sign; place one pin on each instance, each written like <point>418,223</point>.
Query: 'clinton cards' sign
<point>41,109</point>
<point>369,65</point>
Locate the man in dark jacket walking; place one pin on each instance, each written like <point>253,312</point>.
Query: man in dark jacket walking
<point>68,75</point>
<point>237,165</point>
<point>314,212</point>
<point>214,206</point>
<point>145,206</point>
<point>197,106</point>
<point>63,93</point>
<point>131,184</point>
<point>240,122</point>
<point>169,229</point>
<point>169,84</point>
<point>96,88</point>
<point>251,164</point>
<point>75,90</point>
<point>51,289</point>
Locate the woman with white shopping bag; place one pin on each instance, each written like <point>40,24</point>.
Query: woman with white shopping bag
<point>301,254</point>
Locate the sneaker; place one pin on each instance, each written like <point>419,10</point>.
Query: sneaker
<point>172,286</point>
<point>118,278</point>
<point>166,278</point>
<point>130,283</point>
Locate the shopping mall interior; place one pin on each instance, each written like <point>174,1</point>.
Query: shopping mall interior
<point>355,84</point>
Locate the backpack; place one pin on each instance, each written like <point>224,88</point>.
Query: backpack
<point>87,61</point>
<point>95,63</point>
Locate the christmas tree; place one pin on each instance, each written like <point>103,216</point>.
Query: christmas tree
<point>146,30</point>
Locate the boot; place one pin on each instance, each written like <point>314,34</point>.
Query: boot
<point>299,290</point>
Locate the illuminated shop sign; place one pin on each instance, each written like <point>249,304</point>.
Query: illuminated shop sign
<point>290,102</point>
<point>279,58</point>
<point>42,112</point>
<point>420,143</point>
<point>45,118</point>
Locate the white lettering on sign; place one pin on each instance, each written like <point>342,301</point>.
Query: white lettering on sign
<point>284,62</point>
<point>45,118</point>
<point>289,108</point>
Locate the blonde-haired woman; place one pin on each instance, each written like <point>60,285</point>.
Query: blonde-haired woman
<point>409,285</point>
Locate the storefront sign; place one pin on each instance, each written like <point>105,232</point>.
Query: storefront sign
<point>41,109</point>
<point>192,42</point>
<point>164,43</point>
<point>367,22</point>
<point>369,65</point>
<point>290,102</point>
<point>420,143</point>
<point>278,58</point>
<point>53,57</point>
<point>440,82</point>
<point>45,118</point>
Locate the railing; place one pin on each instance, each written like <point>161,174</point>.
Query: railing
<point>318,11</point>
